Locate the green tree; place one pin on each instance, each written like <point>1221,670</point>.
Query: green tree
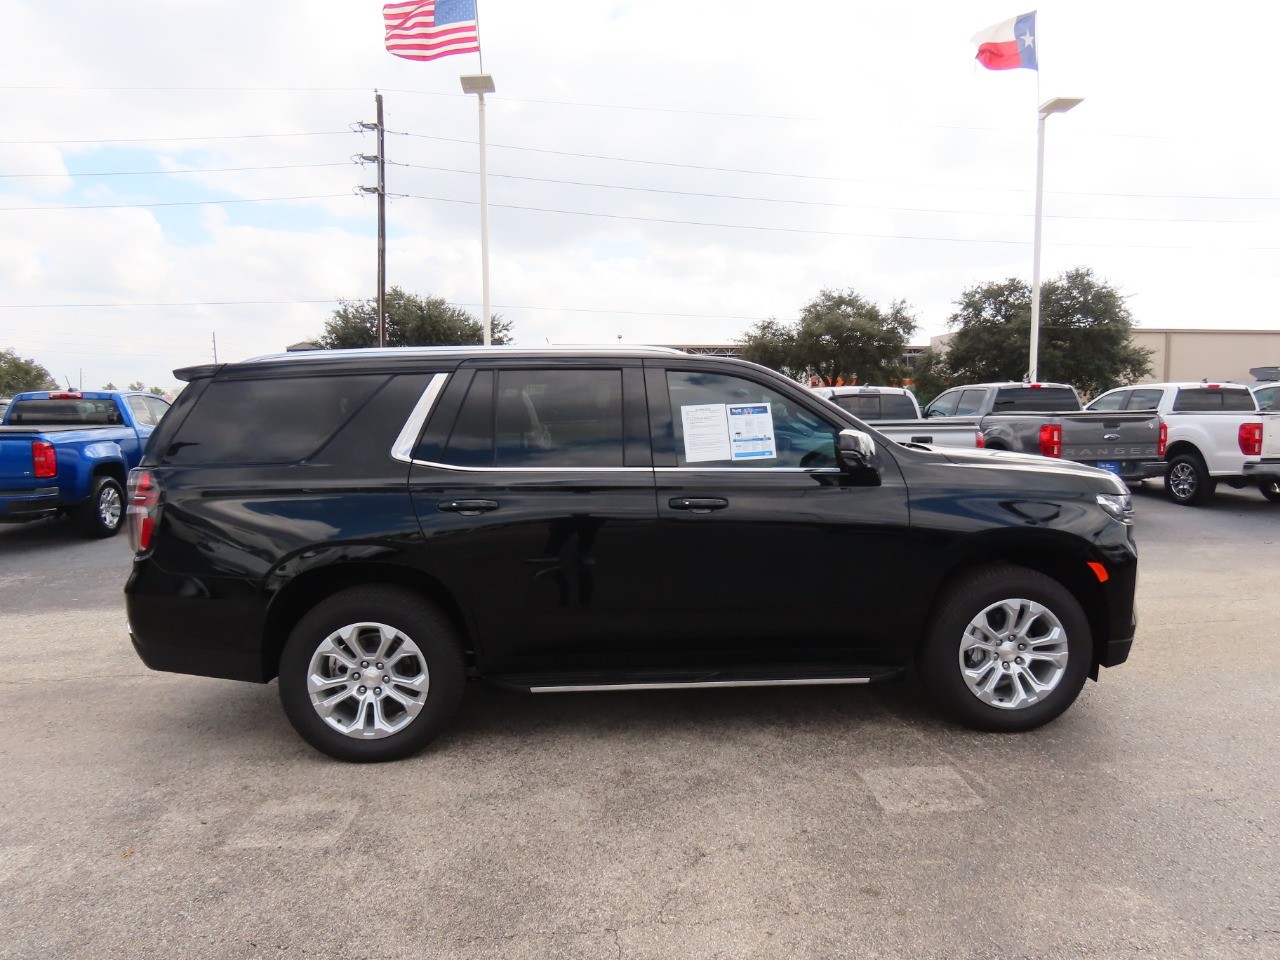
<point>1085,334</point>
<point>18,374</point>
<point>840,335</point>
<point>110,386</point>
<point>412,321</point>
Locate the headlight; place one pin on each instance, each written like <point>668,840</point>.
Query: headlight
<point>1118,505</point>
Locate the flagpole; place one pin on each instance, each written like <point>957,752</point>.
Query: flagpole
<point>480,84</point>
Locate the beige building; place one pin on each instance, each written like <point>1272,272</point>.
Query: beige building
<point>1178,355</point>
<point>1208,354</point>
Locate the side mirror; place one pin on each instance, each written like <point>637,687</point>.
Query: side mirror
<point>856,453</point>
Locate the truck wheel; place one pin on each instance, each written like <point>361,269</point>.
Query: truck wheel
<point>1270,489</point>
<point>373,673</point>
<point>1187,480</point>
<point>102,514</point>
<point>1008,649</point>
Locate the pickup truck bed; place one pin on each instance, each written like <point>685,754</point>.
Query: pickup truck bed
<point>69,453</point>
<point>1047,419</point>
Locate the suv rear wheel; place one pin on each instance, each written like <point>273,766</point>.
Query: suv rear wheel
<point>1008,649</point>
<point>372,673</point>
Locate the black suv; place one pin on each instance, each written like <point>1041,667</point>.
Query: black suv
<point>377,526</point>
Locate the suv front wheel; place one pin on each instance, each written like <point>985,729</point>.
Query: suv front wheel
<point>1008,650</point>
<point>373,673</point>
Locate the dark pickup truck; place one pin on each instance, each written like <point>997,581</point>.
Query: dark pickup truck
<point>69,452</point>
<point>1048,419</point>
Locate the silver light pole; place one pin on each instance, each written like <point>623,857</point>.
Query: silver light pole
<point>1057,105</point>
<point>480,84</point>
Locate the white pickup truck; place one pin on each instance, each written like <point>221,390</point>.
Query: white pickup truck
<point>1215,433</point>
<point>895,412</point>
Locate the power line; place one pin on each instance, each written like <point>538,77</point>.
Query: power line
<point>821,233</point>
<point>815,203</point>
<point>237,136</point>
<point>806,176</point>
<point>174,203</point>
<point>149,173</point>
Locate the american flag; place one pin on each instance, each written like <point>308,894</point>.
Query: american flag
<point>427,29</point>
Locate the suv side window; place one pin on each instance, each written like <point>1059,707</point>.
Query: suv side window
<point>298,416</point>
<point>539,418</point>
<point>726,421</point>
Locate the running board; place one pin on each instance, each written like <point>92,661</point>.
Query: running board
<point>595,681</point>
<point>697,684</point>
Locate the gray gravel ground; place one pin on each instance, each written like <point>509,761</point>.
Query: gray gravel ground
<point>155,815</point>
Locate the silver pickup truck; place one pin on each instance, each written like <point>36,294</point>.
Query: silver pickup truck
<point>1047,419</point>
<point>894,412</point>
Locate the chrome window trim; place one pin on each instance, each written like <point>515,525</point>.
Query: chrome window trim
<point>726,470</point>
<point>402,449</point>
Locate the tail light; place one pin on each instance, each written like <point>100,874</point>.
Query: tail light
<point>144,506</point>
<point>1163,444</point>
<point>982,442</point>
<point>44,460</point>
<point>1251,439</point>
<point>1051,440</point>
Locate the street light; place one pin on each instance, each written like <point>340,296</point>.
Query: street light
<point>1056,105</point>
<point>480,84</point>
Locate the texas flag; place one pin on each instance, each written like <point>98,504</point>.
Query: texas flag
<point>1009,44</point>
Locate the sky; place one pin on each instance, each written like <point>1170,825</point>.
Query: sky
<point>659,171</point>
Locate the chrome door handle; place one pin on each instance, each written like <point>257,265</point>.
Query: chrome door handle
<point>468,508</point>
<point>697,504</point>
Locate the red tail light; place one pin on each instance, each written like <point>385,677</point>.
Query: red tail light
<point>1163,443</point>
<point>982,442</point>
<point>44,460</point>
<point>1051,440</point>
<point>144,505</point>
<point>1251,439</point>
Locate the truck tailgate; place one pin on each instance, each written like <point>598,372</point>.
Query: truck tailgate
<point>16,472</point>
<point>1089,437</point>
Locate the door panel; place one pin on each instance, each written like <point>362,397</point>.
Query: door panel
<point>551,551</point>
<point>800,563</point>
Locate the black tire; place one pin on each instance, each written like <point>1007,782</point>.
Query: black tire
<point>102,515</point>
<point>1270,489</point>
<point>424,639</point>
<point>1187,480</point>
<point>942,669</point>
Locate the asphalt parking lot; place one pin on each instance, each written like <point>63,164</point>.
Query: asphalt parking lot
<point>155,815</point>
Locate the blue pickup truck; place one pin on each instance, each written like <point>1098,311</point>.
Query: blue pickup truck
<point>70,452</point>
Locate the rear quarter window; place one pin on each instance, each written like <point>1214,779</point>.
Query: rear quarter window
<point>277,420</point>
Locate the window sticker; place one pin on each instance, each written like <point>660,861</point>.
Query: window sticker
<point>706,432</point>
<point>751,431</point>
<point>728,431</point>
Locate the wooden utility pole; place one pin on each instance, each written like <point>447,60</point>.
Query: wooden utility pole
<point>381,191</point>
